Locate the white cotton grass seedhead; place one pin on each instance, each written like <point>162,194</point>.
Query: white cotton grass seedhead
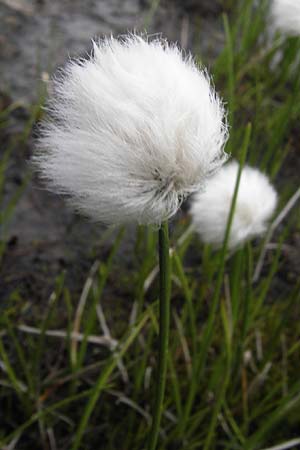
<point>131,131</point>
<point>285,16</point>
<point>255,204</point>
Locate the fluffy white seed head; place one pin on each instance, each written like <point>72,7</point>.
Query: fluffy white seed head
<point>256,202</point>
<point>132,130</point>
<point>285,16</point>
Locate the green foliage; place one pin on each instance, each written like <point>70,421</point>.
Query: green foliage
<point>233,364</point>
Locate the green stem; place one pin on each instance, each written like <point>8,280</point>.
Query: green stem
<point>200,361</point>
<point>164,325</point>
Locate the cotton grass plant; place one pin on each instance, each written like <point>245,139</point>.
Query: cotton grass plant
<point>285,16</point>
<point>255,204</point>
<point>131,132</point>
<point>284,24</point>
<point>233,365</point>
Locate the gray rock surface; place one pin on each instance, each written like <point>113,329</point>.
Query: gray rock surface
<point>38,35</point>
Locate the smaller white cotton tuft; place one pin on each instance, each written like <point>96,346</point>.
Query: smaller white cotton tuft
<point>256,202</point>
<point>285,16</point>
<point>131,131</point>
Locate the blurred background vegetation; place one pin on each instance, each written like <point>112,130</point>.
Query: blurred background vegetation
<point>78,325</point>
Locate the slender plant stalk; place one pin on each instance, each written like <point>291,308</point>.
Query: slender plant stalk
<point>208,331</point>
<point>164,325</point>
